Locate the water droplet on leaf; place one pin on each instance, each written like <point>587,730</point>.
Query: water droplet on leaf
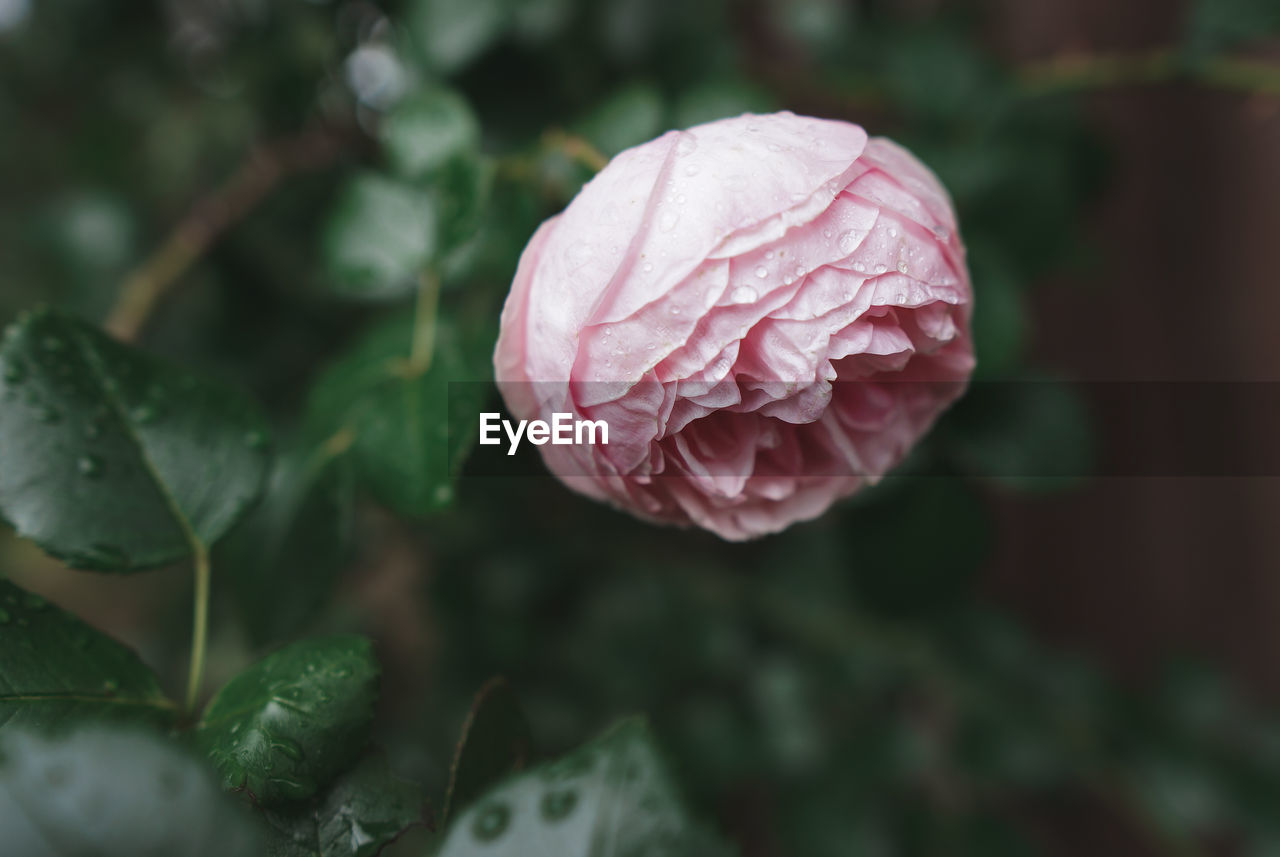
<point>491,822</point>
<point>90,466</point>
<point>557,805</point>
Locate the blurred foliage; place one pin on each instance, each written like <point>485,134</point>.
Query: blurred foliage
<point>375,170</point>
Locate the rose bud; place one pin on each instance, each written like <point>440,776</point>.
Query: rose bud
<point>766,311</point>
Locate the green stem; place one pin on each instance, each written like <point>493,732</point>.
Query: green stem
<point>424,323</point>
<point>200,625</point>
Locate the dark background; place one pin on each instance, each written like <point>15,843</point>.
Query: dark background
<point>965,662</point>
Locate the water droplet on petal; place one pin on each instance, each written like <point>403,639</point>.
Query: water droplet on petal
<point>881,268</point>
<point>668,220</point>
<point>850,240</point>
<point>902,266</point>
<point>743,295</point>
<point>762,272</point>
<point>647,267</point>
<point>893,232</point>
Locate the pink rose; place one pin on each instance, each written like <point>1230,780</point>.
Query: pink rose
<point>767,311</point>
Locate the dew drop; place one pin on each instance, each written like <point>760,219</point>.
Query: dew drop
<point>893,232</point>
<point>902,266</point>
<point>743,295</point>
<point>668,220</point>
<point>681,199</point>
<point>647,267</point>
<point>762,272</point>
<point>89,466</point>
<point>788,279</point>
<point>859,267</point>
<point>491,822</point>
<point>881,268</point>
<point>941,233</point>
<point>558,804</point>
<point>826,233</point>
<point>288,748</point>
<point>850,240</point>
<point>675,310</point>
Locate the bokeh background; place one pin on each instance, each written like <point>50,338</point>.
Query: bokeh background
<point>1003,655</point>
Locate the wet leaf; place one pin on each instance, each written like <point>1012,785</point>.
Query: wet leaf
<point>379,237</point>
<point>407,429</point>
<point>113,459</point>
<point>55,670</point>
<point>364,810</point>
<point>114,793</point>
<point>495,742</point>
<point>613,797</point>
<point>427,130</point>
<point>284,727</point>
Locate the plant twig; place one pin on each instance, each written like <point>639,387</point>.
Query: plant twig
<point>576,148</point>
<point>199,625</point>
<point>424,323</point>
<point>259,173</point>
<point>1069,72</point>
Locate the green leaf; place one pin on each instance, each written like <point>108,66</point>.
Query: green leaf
<point>495,742</point>
<point>408,429</point>
<point>460,192</point>
<point>379,237</point>
<point>114,793</point>
<point>284,558</point>
<point>612,798</point>
<point>56,670</point>
<point>364,810</point>
<point>427,130</point>
<point>113,459</point>
<point>453,33</point>
<point>627,118</point>
<point>283,728</point>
